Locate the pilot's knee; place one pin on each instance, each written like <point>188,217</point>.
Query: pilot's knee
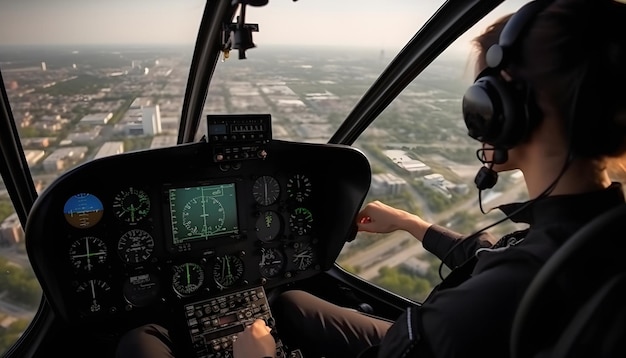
<point>291,302</point>
<point>150,340</point>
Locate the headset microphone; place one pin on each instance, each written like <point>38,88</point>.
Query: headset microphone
<point>486,178</point>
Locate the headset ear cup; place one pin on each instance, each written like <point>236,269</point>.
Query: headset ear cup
<point>496,111</point>
<point>511,126</point>
<point>489,112</point>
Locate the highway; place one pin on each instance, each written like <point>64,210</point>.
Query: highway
<point>392,249</point>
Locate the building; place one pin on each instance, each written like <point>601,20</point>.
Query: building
<point>435,179</point>
<point>63,158</point>
<point>387,184</point>
<point>412,166</point>
<point>38,142</point>
<point>446,187</point>
<point>164,141</point>
<point>86,136</point>
<point>151,120</point>
<point>170,125</point>
<point>96,118</point>
<point>110,148</point>
<point>11,232</point>
<point>133,128</point>
<point>140,102</point>
<point>33,156</point>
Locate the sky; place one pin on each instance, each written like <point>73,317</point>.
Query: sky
<point>354,23</point>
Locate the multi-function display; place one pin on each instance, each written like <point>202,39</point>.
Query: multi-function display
<point>202,212</point>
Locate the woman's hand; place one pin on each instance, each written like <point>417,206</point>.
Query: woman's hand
<point>255,342</point>
<point>378,217</point>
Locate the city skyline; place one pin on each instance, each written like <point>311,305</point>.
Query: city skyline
<point>371,24</point>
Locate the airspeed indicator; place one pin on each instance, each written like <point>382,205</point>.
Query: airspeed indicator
<point>131,205</point>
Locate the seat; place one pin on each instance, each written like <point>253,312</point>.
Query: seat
<point>576,305</point>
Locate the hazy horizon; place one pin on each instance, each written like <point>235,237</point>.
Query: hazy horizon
<point>361,24</point>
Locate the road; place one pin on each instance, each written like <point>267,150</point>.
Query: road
<point>13,310</point>
<point>391,249</point>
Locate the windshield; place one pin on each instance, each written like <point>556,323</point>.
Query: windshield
<point>312,61</point>
<point>87,79</point>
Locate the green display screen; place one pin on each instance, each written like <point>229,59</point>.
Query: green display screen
<point>203,212</point>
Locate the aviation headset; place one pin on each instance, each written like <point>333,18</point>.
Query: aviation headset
<point>496,111</point>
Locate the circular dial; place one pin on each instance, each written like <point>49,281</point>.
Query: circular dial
<point>187,278</point>
<point>301,221</point>
<point>203,215</point>
<point>272,262</point>
<point>303,256</point>
<point>131,205</point>
<point>87,252</point>
<point>141,290</point>
<point>135,246</point>
<point>265,190</point>
<point>299,187</point>
<point>268,226</point>
<point>92,294</point>
<point>227,270</point>
<point>83,210</point>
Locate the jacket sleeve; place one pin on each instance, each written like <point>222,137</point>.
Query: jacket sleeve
<point>438,240</point>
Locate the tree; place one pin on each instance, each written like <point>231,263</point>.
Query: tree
<point>409,286</point>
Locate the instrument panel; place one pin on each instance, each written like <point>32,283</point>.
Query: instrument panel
<point>146,234</point>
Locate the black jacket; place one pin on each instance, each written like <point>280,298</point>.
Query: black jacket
<point>470,313</point>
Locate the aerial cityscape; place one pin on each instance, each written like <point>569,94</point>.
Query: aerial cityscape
<point>76,104</point>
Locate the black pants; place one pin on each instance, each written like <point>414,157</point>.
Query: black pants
<point>149,341</point>
<point>303,321</point>
<point>322,329</point>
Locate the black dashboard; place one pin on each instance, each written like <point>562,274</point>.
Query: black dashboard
<point>175,236</point>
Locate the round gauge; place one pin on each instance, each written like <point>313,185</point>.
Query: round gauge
<point>227,270</point>
<point>303,256</point>
<point>83,210</point>
<point>268,226</point>
<point>203,215</point>
<point>93,295</point>
<point>187,278</point>
<point>135,246</point>
<point>301,221</point>
<point>131,205</point>
<point>299,187</point>
<point>272,262</point>
<point>265,190</point>
<point>141,290</point>
<point>87,252</point>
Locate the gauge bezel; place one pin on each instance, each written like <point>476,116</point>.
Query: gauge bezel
<point>185,290</point>
<point>266,190</point>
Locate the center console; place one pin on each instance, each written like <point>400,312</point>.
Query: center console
<point>214,323</point>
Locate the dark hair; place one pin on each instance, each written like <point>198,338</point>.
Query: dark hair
<point>574,58</point>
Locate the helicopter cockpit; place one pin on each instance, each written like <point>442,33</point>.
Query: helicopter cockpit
<point>196,234</point>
